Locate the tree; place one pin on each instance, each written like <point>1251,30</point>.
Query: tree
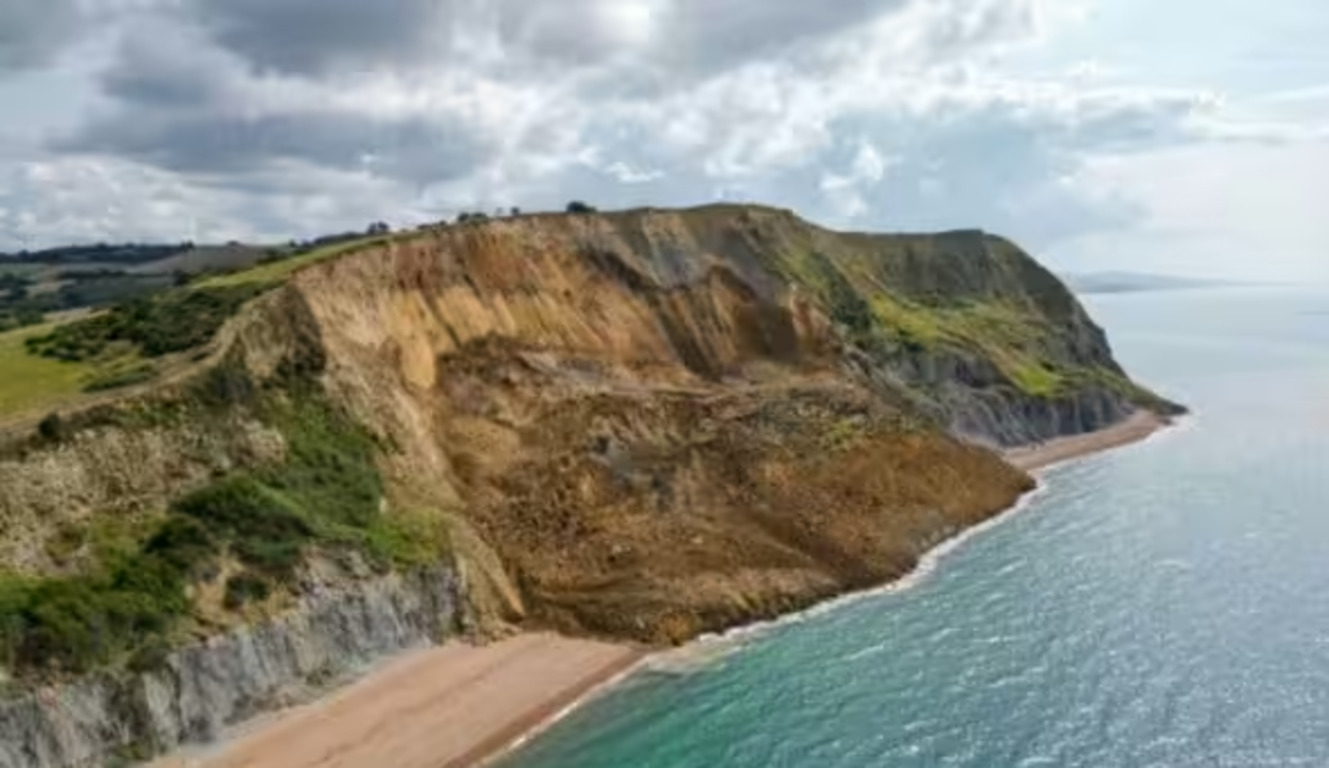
<point>577,206</point>
<point>379,228</point>
<point>515,212</point>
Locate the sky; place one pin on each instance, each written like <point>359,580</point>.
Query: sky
<point>1187,137</point>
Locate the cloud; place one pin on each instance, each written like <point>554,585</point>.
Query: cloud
<point>263,117</point>
<point>414,150</point>
<point>312,36</point>
<point>31,33</point>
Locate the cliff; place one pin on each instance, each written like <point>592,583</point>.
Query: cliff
<point>666,423</point>
<point>644,425</point>
<point>194,693</point>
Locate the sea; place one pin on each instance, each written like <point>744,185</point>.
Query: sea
<point>1165,604</point>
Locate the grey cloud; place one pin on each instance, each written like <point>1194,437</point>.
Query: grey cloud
<point>237,100</point>
<point>33,31</point>
<point>313,36</point>
<point>705,35</point>
<point>161,65</point>
<point>684,36</point>
<point>416,150</point>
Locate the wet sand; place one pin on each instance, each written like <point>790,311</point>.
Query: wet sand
<point>445,707</point>
<point>1136,428</point>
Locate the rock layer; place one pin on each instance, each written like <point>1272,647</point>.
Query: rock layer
<point>201,689</point>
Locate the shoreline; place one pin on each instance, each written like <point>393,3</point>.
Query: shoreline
<point>1140,426</point>
<point>459,706</point>
<point>450,706</point>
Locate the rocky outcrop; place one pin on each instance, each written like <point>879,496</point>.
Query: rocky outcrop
<point>202,689</point>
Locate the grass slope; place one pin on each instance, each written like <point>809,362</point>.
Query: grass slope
<point>277,271</point>
<point>29,382</point>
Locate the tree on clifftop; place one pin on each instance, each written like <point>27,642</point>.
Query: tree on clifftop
<point>577,206</point>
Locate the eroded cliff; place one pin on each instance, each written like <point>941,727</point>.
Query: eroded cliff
<point>665,423</point>
<point>643,425</point>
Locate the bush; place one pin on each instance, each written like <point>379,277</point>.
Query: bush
<point>264,529</point>
<point>78,623</point>
<point>52,428</point>
<point>185,544</point>
<point>577,206</point>
<point>174,321</point>
<point>244,588</point>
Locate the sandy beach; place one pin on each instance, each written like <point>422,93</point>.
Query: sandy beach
<point>1136,428</point>
<point>459,705</point>
<point>444,707</point>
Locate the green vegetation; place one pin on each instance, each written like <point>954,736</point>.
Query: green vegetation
<point>1012,337</point>
<point>22,318</point>
<point>122,373</point>
<point>75,624</point>
<point>325,496</point>
<point>174,321</point>
<point>31,383</point>
<point>277,271</point>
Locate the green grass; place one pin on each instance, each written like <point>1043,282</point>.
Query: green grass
<point>131,597</point>
<point>912,324</point>
<point>32,383</point>
<point>1037,379</point>
<point>1010,337</point>
<point>278,271</point>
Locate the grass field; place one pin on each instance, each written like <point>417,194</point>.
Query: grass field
<point>32,383</point>
<point>280,270</point>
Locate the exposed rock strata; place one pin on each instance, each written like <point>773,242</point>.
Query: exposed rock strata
<point>202,689</point>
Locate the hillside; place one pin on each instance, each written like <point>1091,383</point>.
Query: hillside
<point>642,425</point>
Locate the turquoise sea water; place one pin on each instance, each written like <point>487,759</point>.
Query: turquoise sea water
<point>1163,605</point>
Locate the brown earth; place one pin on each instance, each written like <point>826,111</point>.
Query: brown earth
<point>641,442</point>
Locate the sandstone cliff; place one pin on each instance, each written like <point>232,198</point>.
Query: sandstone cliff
<point>670,422</point>
<point>643,425</point>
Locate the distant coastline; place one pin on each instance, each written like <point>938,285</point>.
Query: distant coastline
<point>1091,283</point>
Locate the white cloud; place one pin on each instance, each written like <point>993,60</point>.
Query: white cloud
<point>268,117</point>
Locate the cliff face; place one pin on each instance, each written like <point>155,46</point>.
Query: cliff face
<point>645,425</point>
<point>664,423</point>
<point>198,691</point>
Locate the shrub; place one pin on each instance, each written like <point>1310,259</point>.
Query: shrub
<point>264,529</point>
<point>52,428</point>
<point>244,588</point>
<point>174,321</point>
<point>116,379</point>
<point>77,623</point>
<point>577,206</point>
<point>184,543</point>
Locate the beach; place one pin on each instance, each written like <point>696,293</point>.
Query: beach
<point>1041,456</point>
<point>460,705</point>
<point>444,707</point>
